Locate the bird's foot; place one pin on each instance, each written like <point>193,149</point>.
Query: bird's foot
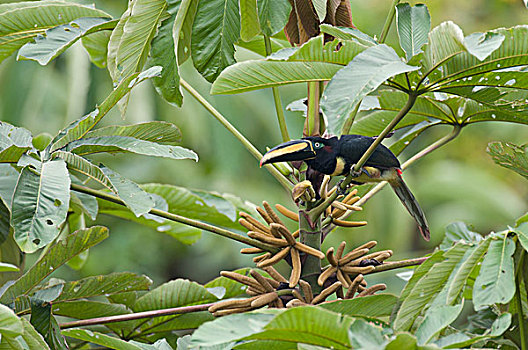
<point>340,190</point>
<point>355,173</point>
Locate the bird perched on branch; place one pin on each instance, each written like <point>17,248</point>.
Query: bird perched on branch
<point>336,156</point>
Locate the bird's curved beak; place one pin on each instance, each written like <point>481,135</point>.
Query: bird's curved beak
<point>289,151</point>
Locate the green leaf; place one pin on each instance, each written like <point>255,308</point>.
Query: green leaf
<point>413,24</point>
<point>156,131</point>
<point>407,341</point>
<point>99,339</point>
<point>379,305</point>
<point>13,142</point>
<point>346,33</point>
<point>41,141</point>
<point>40,204</point>
<point>163,54</point>
<point>175,293</point>
<point>364,74</point>
<point>130,42</point>
<point>57,39</point>
<point>57,255</point>
<point>461,276</point>
<point>522,232</point>
<point>435,320</point>
<point>111,144</point>
<point>320,9</point>
<point>82,203</point>
<point>8,179</point>
<point>309,325</point>
<point>426,288</point>
<point>499,326</point>
<point>80,127</point>
<point>481,45</point>
<point>137,200</point>
<point>215,30</point>
<point>273,15</point>
<point>46,324</point>
<point>10,324</point>
<point>182,30</point>
<point>510,156</point>
<point>224,331</point>
<point>459,231</point>
<point>364,335</point>
<point>249,21</point>
<point>84,166</point>
<point>495,283</point>
<point>314,61</point>
<point>96,45</point>
<point>257,46</point>
<point>29,339</point>
<point>21,22</point>
<point>113,283</point>
<point>231,288</point>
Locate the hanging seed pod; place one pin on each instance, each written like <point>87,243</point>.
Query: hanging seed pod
<point>260,226</point>
<point>352,255</point>
<point>371,290</point>
<point>324,187</point>
<point>250,227</point>
<point>340,250</point>
<point>262,281</point>
<point>250,250</point>
<point>354,269</point>
<point>309,250</point>
<point>242,279</point>
<point>274,259</point>
<point>326,274</point>
<point>267,239</point>
<point>264,215</point>
<point>275,274</point>
<point>232,311</point>
<point>295,303</point>
<point>352,289</point>
<point>343,278</point>
<point>326,293</point>
<point>287,212</point>
<point>261,257</point>
<point>298,295</point>
<point>307,290</point>
<point>264,299</point>
<point>296,268</point>
<point>282,231</point>
<point>231,304</point>
<point>330,257</point>
<point>368,245</point>
<point>272,214</point>
<point>343,223</point>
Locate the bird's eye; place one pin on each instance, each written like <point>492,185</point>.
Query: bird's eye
<point>317,145</point>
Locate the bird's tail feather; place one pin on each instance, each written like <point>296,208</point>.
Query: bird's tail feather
<point>411,204</point>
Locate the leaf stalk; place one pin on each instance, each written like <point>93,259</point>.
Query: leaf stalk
<point>388,21</point>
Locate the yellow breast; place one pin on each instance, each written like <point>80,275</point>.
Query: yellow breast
<point>340,167</point>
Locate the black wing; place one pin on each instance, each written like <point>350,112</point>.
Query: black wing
<point>352,147</point>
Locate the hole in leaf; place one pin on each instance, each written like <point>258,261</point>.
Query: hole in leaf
<point>36,241</point>
<point>49,222</point>
<point>57,202</point>
<point>67,29</point>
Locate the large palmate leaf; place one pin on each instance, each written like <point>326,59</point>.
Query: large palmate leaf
<point>56,256</point>
<point>156,131</point>
<point>56,40</point>
<point>10,324</point>
<point>495,283</point>
<point>450,58</point>
<point>427,287</point>
<point>82,126</point>
<point>13,142</point>
<point>346,33</point>
<point>8,180</point>
<point>413,24</point>
<point>163,54</point>
<point>379,305</point>
<point>510,156</point>
<point>85,167</point>
<point>215,30</point>
<point>96,44</point>
<point>40,204</point>
<point>273,15</point>
<point>314,61</point>
<point>100,339</point>
<point>21,22</point>
<point>257,44</point>
<point>249,21</point>
<point>130,43</point>
<point>46,324</point>
<point>112,144</point>
<point>364,74</point>
<point>435,320</point>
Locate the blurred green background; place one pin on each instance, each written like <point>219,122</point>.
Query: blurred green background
<point>459,182</point>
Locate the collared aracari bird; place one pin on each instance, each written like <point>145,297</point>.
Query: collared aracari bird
<point>336,156</point>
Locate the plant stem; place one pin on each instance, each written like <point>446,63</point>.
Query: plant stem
<point>388,21</point>
<point>136,316</point>
<point>310,233</point>
<point>276,98</point>
<point>350,120</point>
<point>178,218</point>
<point>518,305</point>
<point>249,146</point>
<point>386,266</point>
<point>311,126</point>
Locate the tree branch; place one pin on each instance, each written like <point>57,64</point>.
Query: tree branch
<point>178,218</point>
<point>249,146</point>
<point>136,316</point>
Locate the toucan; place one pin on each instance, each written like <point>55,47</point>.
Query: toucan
<point>336,156</point>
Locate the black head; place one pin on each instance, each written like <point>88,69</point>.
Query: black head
<point>319,153</point>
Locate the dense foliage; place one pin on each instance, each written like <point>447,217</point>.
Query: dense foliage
<point>471,291</point>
